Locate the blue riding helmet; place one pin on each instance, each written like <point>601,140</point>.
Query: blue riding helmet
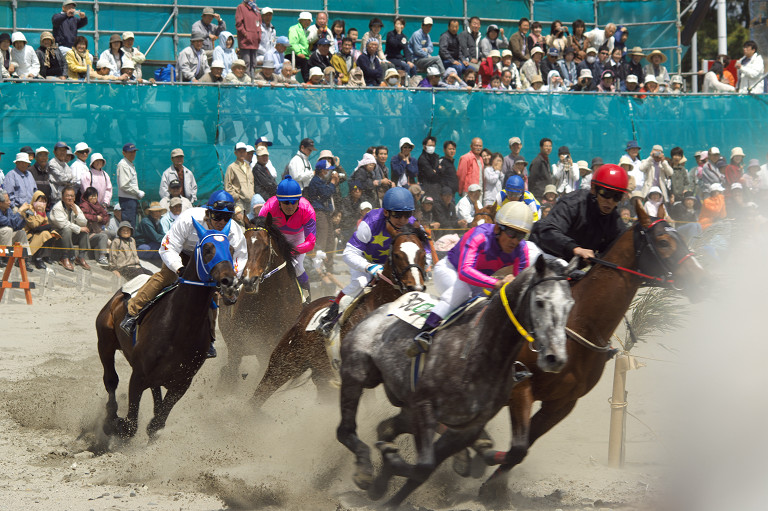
<point>221,201</point>
<point>515,184</point>
<point>398,199</point>
<point>288,190</point>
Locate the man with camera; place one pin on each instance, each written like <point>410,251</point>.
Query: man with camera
<point>656,170</point>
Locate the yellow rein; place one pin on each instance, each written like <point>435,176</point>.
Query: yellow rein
<point>522,331</point>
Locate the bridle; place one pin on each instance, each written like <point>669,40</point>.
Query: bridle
<point>655,270</point>
<point>203,271</point>
<point>266,274</point>
<point>397,278</point>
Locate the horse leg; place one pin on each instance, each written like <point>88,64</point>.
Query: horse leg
<point>424,432</point>
<point>228,374</point>
<point>172,397</point>
<point>157,399</point>
<point>284,364</point>
<point>127,427</point>
<point>346,433</point>
<point>107,345</point>
<point>387,431</point>
<point>322,373</point>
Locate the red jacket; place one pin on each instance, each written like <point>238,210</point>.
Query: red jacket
<point>487,71</point>
<point>468,172</point>
<point>91,211</point>
<point>248,24</point>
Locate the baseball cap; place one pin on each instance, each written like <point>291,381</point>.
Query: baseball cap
<point>405,140</point>
<point>174,184</point>
<point>262,140</point>
<point>631,79</point>
<point>177,152</point>
<point>283,40</point>
<point>128,35</point>
<point>304,15</point>
<point>240,145</point>
<point>591,49</point>
<point>427,21</point>
<point>428,199</point>
<point>261,151</point>
<point>365,205</point>
<point>474,188</point>
<point>433,71</point>
<point>59,145</point>
<point>323,41</point>
<point>250,149</point>
<point>554,51</point>
<point>585,73</point>
<point>515,140</point>
<point>492,26</point>
<point>563,150</point>
<point>307,142</point>
<point>176,201</point>
<point>607,74</point>
<point>27,149</point>
<point>128,148</point>
<point>41,149</point>
<point>267,10</point>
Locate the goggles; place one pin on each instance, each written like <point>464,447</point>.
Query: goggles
<point>606,193</point>
<point>401,214</point>
<point>511,232</point>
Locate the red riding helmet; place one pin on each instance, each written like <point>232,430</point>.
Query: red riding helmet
<point>611,176</point>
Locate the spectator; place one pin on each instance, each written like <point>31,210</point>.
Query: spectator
<point>752,181</point>
<point>711,173</point>
<point>515,146</point>
<point>507,80</point>
<point>248,24</point>
<point>114,55</point>
<point>192,63</point>
<point>66,24</point>
<point>634,66</point>
<point>11,224</point>
<point>565,174</point>
<point>405,168</point>
<point>40,172</point>
<point>267,75</point>
<point>39,231</point>
<point>367,177</point>
<point>338,33</point>
<point>264,142</point>
<point>578,41</point>
<point>174,192</point>
<point>429,168</point>
<point>237,74</point>
<point>103,71</point>
<point>59,172</point>
<point>468,206</point>
<point>750,70</point>
<point>656,171</point>
<point>28,66</point>
<point>276,54</point>
<point>68,220</point>
<point>450,48</point>
<point>19,182</point>
<point>469,45</point>
<point>52,63</point>
<point>225,51</point>
<point>735,170</point>
<point>493,179</point>
<point>257,202</point>
<point>318,31</point>
<point>114,220</point>
<point>369,63</point>
<point>558,36</point>
<point>421,48</point>
<point>470,166</point>
<point>618,66</point>
<point>598,38</point>
<point>216,73</point>
<point>79,164</point>
<point>238,179</point>
<point>655,68</point>
<point>178,172</point>
<point>79,60</point>
<point>268,34</point>
<point>489,67</point>
<point>652,201</point>
<point>518,43</point>
<point>299,167</point>
<point>128,191</point>
<point>356,78</point>
<point>536,38</point>
<point>263,181</point>
<point>299,45</point>
<point>567,68</point>
<point>374,32</point>
<point>606,82</point>
<point>97,218</point>
<point>321,57</point>
<point>713,207</point>
<point>381,154</point>
<point>540,174</point>
<point>320,194</point>
<point>591,63</point>
<point>204,25</point>
<point>149,233</point>
<point>175,207</point>
<point>398,52</point>
<point>433,78</point>
<point>350,209</point>
<point>132,53</point>
<point>445,210</point>
<point>6,66</point>
<point>585,83</point>
<point>494,40</point>
<point>122,254</point>
<point>680,180</point>
<point>532,66</point>
<point>631,84</point>
<point>714,82</point>
<point>686,211</point>
<point>127,72</point>
<point>550,63</point>
<point>342,60</point>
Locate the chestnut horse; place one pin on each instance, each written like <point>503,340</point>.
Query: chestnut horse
<point>300,350</point>
<point>485,215</point>
<point>270,302</point>
<point>171,340</point>
<point>652,251</point>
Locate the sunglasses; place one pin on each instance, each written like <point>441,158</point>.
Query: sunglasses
<point>218,216</point>
<point>400,214</point>
<point>613,195</point>
<point>511,232</point>
<point>288,202</point>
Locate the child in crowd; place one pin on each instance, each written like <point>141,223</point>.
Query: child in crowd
<point>123,257</point>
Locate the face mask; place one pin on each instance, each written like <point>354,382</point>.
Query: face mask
<point>591,59</point>
<point>392,81</point>
<point>471,83</point>
<point>430,149</point>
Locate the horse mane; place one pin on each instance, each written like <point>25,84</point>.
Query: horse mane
<point>410,229</point>
<point>284,248</point>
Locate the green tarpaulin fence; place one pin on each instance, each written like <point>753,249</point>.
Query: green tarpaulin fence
<point>207,121</point>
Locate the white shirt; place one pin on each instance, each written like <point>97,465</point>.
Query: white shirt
<point>79,169</point>
<point>749,75</point>
<point>465,210</point>
<point>182,237</point>
<point>300,169</point>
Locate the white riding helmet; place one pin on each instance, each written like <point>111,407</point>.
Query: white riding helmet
<point>516,215</point>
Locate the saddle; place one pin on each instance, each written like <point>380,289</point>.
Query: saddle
<point>132,287</point>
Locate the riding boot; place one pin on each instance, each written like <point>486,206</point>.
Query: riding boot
<point>423,339</point>
<point>329,319</point>
<point>128,324</point>
<point>304,284</point>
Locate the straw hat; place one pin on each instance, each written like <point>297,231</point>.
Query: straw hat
<point>155,206</point>
<point>636,51</point>
<point>659,53</point>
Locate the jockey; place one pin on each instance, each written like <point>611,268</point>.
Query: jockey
<point>514,190</point>
<point>585,221</point>
<point>295,217</point>
<point>466,270</point>
<point>182,238</point>
<point>368,248</point>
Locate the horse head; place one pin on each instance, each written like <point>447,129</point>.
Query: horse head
<point>662,252</point>
<point>268,251</point>
<point>408,258</point>
<point>546,301</point>
<point>485,215</point>
<point>213,261</point>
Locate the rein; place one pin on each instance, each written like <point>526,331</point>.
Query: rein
<point>264,276</point>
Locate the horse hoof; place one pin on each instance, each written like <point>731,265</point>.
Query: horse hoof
<point>153,427</point>
<point>363,478</point>
<point>462,463</point>
<point>494,490</point>
<point>477,467</point>
<point>123,428</point>
<point>378,488</point>
<point>387,447</point>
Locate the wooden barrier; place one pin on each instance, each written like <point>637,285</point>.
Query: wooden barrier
<point>13,254</point>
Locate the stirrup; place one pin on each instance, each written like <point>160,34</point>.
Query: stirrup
<point>211,353</point>
<point>521,372</point>
<point>128,324</point>
<point>421,343</point>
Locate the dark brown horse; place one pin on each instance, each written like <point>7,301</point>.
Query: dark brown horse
<point>300,350</point>
<point>171,340</point>
<point>484,216</point>
<point>270,302</point>
<point>602,297</point>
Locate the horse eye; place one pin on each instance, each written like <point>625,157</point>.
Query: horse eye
<point>663,243</point>
<point>540,304</point>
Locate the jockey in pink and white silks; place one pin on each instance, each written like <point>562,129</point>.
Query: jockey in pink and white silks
<point>295,217</point>
<point>466,270</point>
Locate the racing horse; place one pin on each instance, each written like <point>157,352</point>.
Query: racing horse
<point>300,350</point>
<point>652,252</point>
<point>172,339</point>
<point>467,375</point>
<point>270,302</point>
<point>485,215</point>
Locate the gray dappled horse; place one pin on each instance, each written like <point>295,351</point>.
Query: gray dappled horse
<point>467,376</point>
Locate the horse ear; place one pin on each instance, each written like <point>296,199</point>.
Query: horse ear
<point>573,265</point>
<point>662,211</point>
<point>225,230</point>
<point>199,228</point>
<point>269,220</point>
<point>642,216</point>
<point>247,223</point>
<point>541,265</point>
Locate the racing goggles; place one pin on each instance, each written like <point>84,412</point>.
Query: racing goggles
<point>289,201</point>
<point>218,216</point>
<point>401,214</point>
<point>609,194</point>
<point>512,232</point>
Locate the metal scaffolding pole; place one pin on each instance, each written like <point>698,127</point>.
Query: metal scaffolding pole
<point>695,63</point>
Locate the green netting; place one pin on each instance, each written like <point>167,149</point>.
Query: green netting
<point>207,122</point>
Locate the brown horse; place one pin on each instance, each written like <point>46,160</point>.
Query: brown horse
<point>484,216</point>
<point>270,303</point>
<point>653,249</point>
<point>300,350</point>
<point>171,340</point>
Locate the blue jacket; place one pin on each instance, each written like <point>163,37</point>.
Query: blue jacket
<point>420,45</point>
<point>12,220</point>
<point>371,69</point>
<point>399,167</point>
<point>320,193</point>
<point>149,232</point>
<point>65,28</point>
<point>20,187</point>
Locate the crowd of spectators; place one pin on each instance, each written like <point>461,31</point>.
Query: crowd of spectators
<point>314,54</point>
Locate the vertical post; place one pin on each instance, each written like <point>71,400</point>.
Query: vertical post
<point>176,31</point>
<point>466,13</point>
<point>397,8</point>
<point>679,26</point>
<point>618,412</point>
<point>695,63</point>
<point>14,7</point>
<point>594,6</point>
<point>530,10</point>
<point>96,26</point>
<point>722,30</point>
